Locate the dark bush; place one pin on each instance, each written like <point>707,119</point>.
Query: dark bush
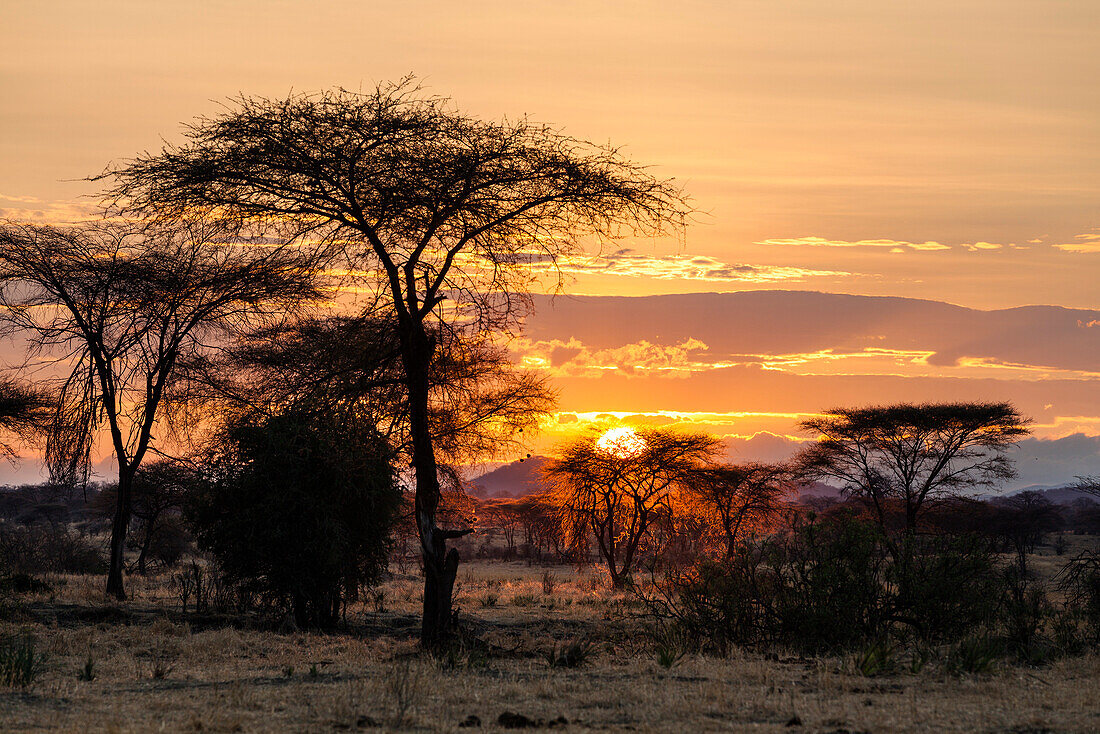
<point>297,508</point>
<point>1079,579</point>
<point>38,549</point>
<point>817,587</point>
<point>944,586</point>
<point>831,594</point>
<point>839,583</point>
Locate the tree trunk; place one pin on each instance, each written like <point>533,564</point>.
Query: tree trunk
<point>144,554</point>
<point>118,533</point>
<point>440,566</point>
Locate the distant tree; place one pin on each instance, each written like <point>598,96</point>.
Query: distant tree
<point>119,307</point>
<point>913,455</point>
<point>734,500</point>
<point>1024,520</point>
<point>616,486</point>
<point>441,205</point>
<point>158,495</point>
<point>298,508</point>
<point>503,515</point>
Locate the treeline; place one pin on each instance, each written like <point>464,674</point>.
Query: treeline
<point>529,528</point>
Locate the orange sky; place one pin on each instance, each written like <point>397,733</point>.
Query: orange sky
<point>940,150</point>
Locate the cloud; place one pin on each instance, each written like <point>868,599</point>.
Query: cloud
<point>979,246</point>
<point>33,210</point>
<point>1089,243</point>
<point>893,245</point>
<point>572,358</point>
<point>811,332</point>
<point>1056,462</point>
<point>630,263</point>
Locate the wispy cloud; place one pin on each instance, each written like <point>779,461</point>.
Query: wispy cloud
<point>630,263</point>
<point>1087,243</point>
<point>893,245</point>
<point>33,210</point>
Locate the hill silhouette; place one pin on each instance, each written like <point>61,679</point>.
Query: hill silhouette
<point>518,479</point>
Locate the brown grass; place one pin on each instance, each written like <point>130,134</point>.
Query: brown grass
<point>159,670</point>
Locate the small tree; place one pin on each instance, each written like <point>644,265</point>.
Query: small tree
<point>120,307</point>
<point>734,500</point>
<point>298,508</point>
<point>913,455</point>
<point>159,492</point>
<point>616,486</point>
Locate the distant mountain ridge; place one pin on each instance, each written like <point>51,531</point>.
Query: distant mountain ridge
<point>518,479</point>
<point>521,478</point>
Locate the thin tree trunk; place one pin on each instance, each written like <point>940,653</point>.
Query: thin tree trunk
<point>118,534</point>
<point>144,552</point>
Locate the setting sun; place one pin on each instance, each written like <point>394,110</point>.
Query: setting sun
<point>622,442</point>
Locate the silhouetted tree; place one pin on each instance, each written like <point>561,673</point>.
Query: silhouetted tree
<point>1024,519</point>
<point>298,507</point>
<point>440,204</point>
<point>915,455</point>
<point>157,499</point>
<point>120,306</point>
<point>616,490</point>
<point>734,500</point>
<point>480,401</point>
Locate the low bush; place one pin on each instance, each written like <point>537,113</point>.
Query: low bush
<point>48,548</point>
<point>297,509</point>
<point>836,584</point>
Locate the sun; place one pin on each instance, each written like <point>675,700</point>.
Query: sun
<point>622,442</point>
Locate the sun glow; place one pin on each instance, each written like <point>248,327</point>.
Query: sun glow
<point>622,442</point>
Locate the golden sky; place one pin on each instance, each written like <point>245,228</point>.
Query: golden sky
<point>944,150</point>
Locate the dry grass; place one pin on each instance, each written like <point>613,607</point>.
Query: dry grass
<point>159,670</point>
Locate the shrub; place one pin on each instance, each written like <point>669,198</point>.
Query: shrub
<point>945,585</point>
<point>1079,579</point>
<point>840,583</point>
<point>43,548</point>
<point>831,592</point>
<point>297,508</point>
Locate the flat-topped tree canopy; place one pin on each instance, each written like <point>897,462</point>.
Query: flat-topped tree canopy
<point>913,453</point>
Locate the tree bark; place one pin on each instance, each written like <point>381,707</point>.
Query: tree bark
<point>440,566</point>
<point>119,526</point>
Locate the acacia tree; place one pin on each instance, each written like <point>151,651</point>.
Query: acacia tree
<point>119,307</point>
<point>616,490</point>
<point>913,455</point>
<point>435,204</point>
<point>734,499</point>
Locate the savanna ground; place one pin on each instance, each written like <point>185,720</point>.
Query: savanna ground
<point>157,668</point>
